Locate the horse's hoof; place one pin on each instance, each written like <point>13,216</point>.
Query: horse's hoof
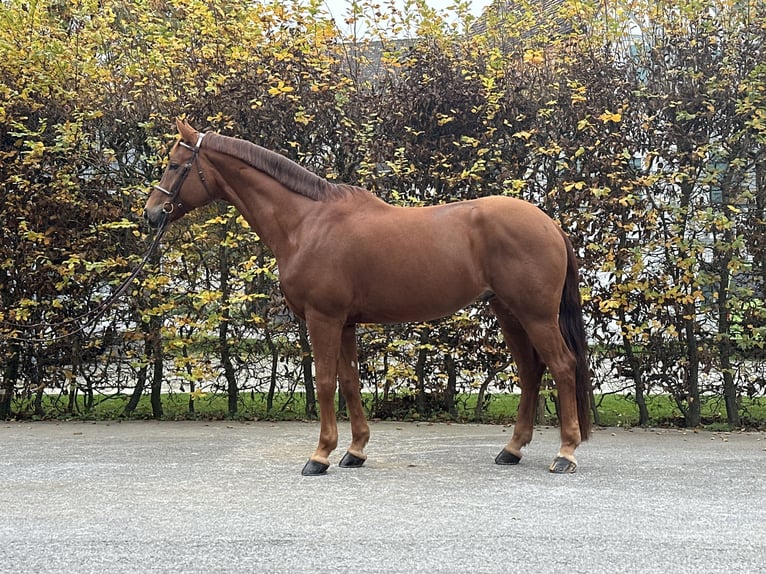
<point>351,461</point>
<point>561,465</point>
<point>314,468</point>
<point>506,457</point>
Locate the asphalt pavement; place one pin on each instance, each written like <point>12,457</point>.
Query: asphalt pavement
<point>199,497</point>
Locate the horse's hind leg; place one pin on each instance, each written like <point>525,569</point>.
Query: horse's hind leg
<point>348,377</point>
<point>550,344</point>
<point>530,369</point>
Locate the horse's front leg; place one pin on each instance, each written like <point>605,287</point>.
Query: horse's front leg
<point>325,334</point>
<point>348,377</point>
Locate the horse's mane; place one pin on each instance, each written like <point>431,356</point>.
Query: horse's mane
<point>284,170</point>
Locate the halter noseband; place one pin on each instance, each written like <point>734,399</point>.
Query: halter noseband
<point>170,205</point>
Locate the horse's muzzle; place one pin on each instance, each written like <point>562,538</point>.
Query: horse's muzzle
<point>154,217</point>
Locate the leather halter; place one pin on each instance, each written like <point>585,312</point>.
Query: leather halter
<point>172,204</point>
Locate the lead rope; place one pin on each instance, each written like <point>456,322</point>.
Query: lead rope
<point>93,315</point>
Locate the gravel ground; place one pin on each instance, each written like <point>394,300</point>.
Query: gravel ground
<point>229,497</point>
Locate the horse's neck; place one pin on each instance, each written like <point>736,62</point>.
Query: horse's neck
<point>273,211</point>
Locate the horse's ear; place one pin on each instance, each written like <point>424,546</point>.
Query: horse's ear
<point>188,133</point>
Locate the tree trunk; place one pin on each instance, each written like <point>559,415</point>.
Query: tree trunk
<point>38,384</point>
<point>643,410</point>
<point>307,362</point>
<point>725,349</point>
<point>693,413</point>
<point>72,398</point>
<point>274,366</point>
<point>541,415</point>
<point>10,374</point>
<point>189,371</point>
<point>153,355</point>
<point>451,391</point>
<point>77,370</point>
<point>420,367</point>
<point>729,387</point>
<point>232,388</point>
<point>386,379</point>
<point>224,347</point>
<point>482,393</point>
<point>143,372</point>
<point>546,386</point>
<point>638,381</point>
<point>138,390</point>
<point>758,248</point>
<point>39,394</point>
<point>594,408</point>
<point>156,396</point>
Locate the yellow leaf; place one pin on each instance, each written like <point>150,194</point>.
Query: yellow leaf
<point>578,185</point>
<point>302,118</point>
<point>534,57</point>
<point>608,116</point>
<point>578,97</point>
<point>280,88</point>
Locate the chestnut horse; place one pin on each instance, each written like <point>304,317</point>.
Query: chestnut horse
<point>346,257</point>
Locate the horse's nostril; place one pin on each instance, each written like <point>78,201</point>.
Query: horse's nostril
<point>149,220</point>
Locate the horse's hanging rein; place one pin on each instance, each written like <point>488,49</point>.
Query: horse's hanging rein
<point>91,316</point>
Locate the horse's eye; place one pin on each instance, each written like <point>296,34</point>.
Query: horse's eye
<point>173,166</point>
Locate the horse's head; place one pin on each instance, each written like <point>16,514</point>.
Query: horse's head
<point>183,186</point>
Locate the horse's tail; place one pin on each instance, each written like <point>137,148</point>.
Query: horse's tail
<point>573,329</point>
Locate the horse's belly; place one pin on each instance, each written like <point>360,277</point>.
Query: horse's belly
<point>406,315</point>
<point>399,297</point>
